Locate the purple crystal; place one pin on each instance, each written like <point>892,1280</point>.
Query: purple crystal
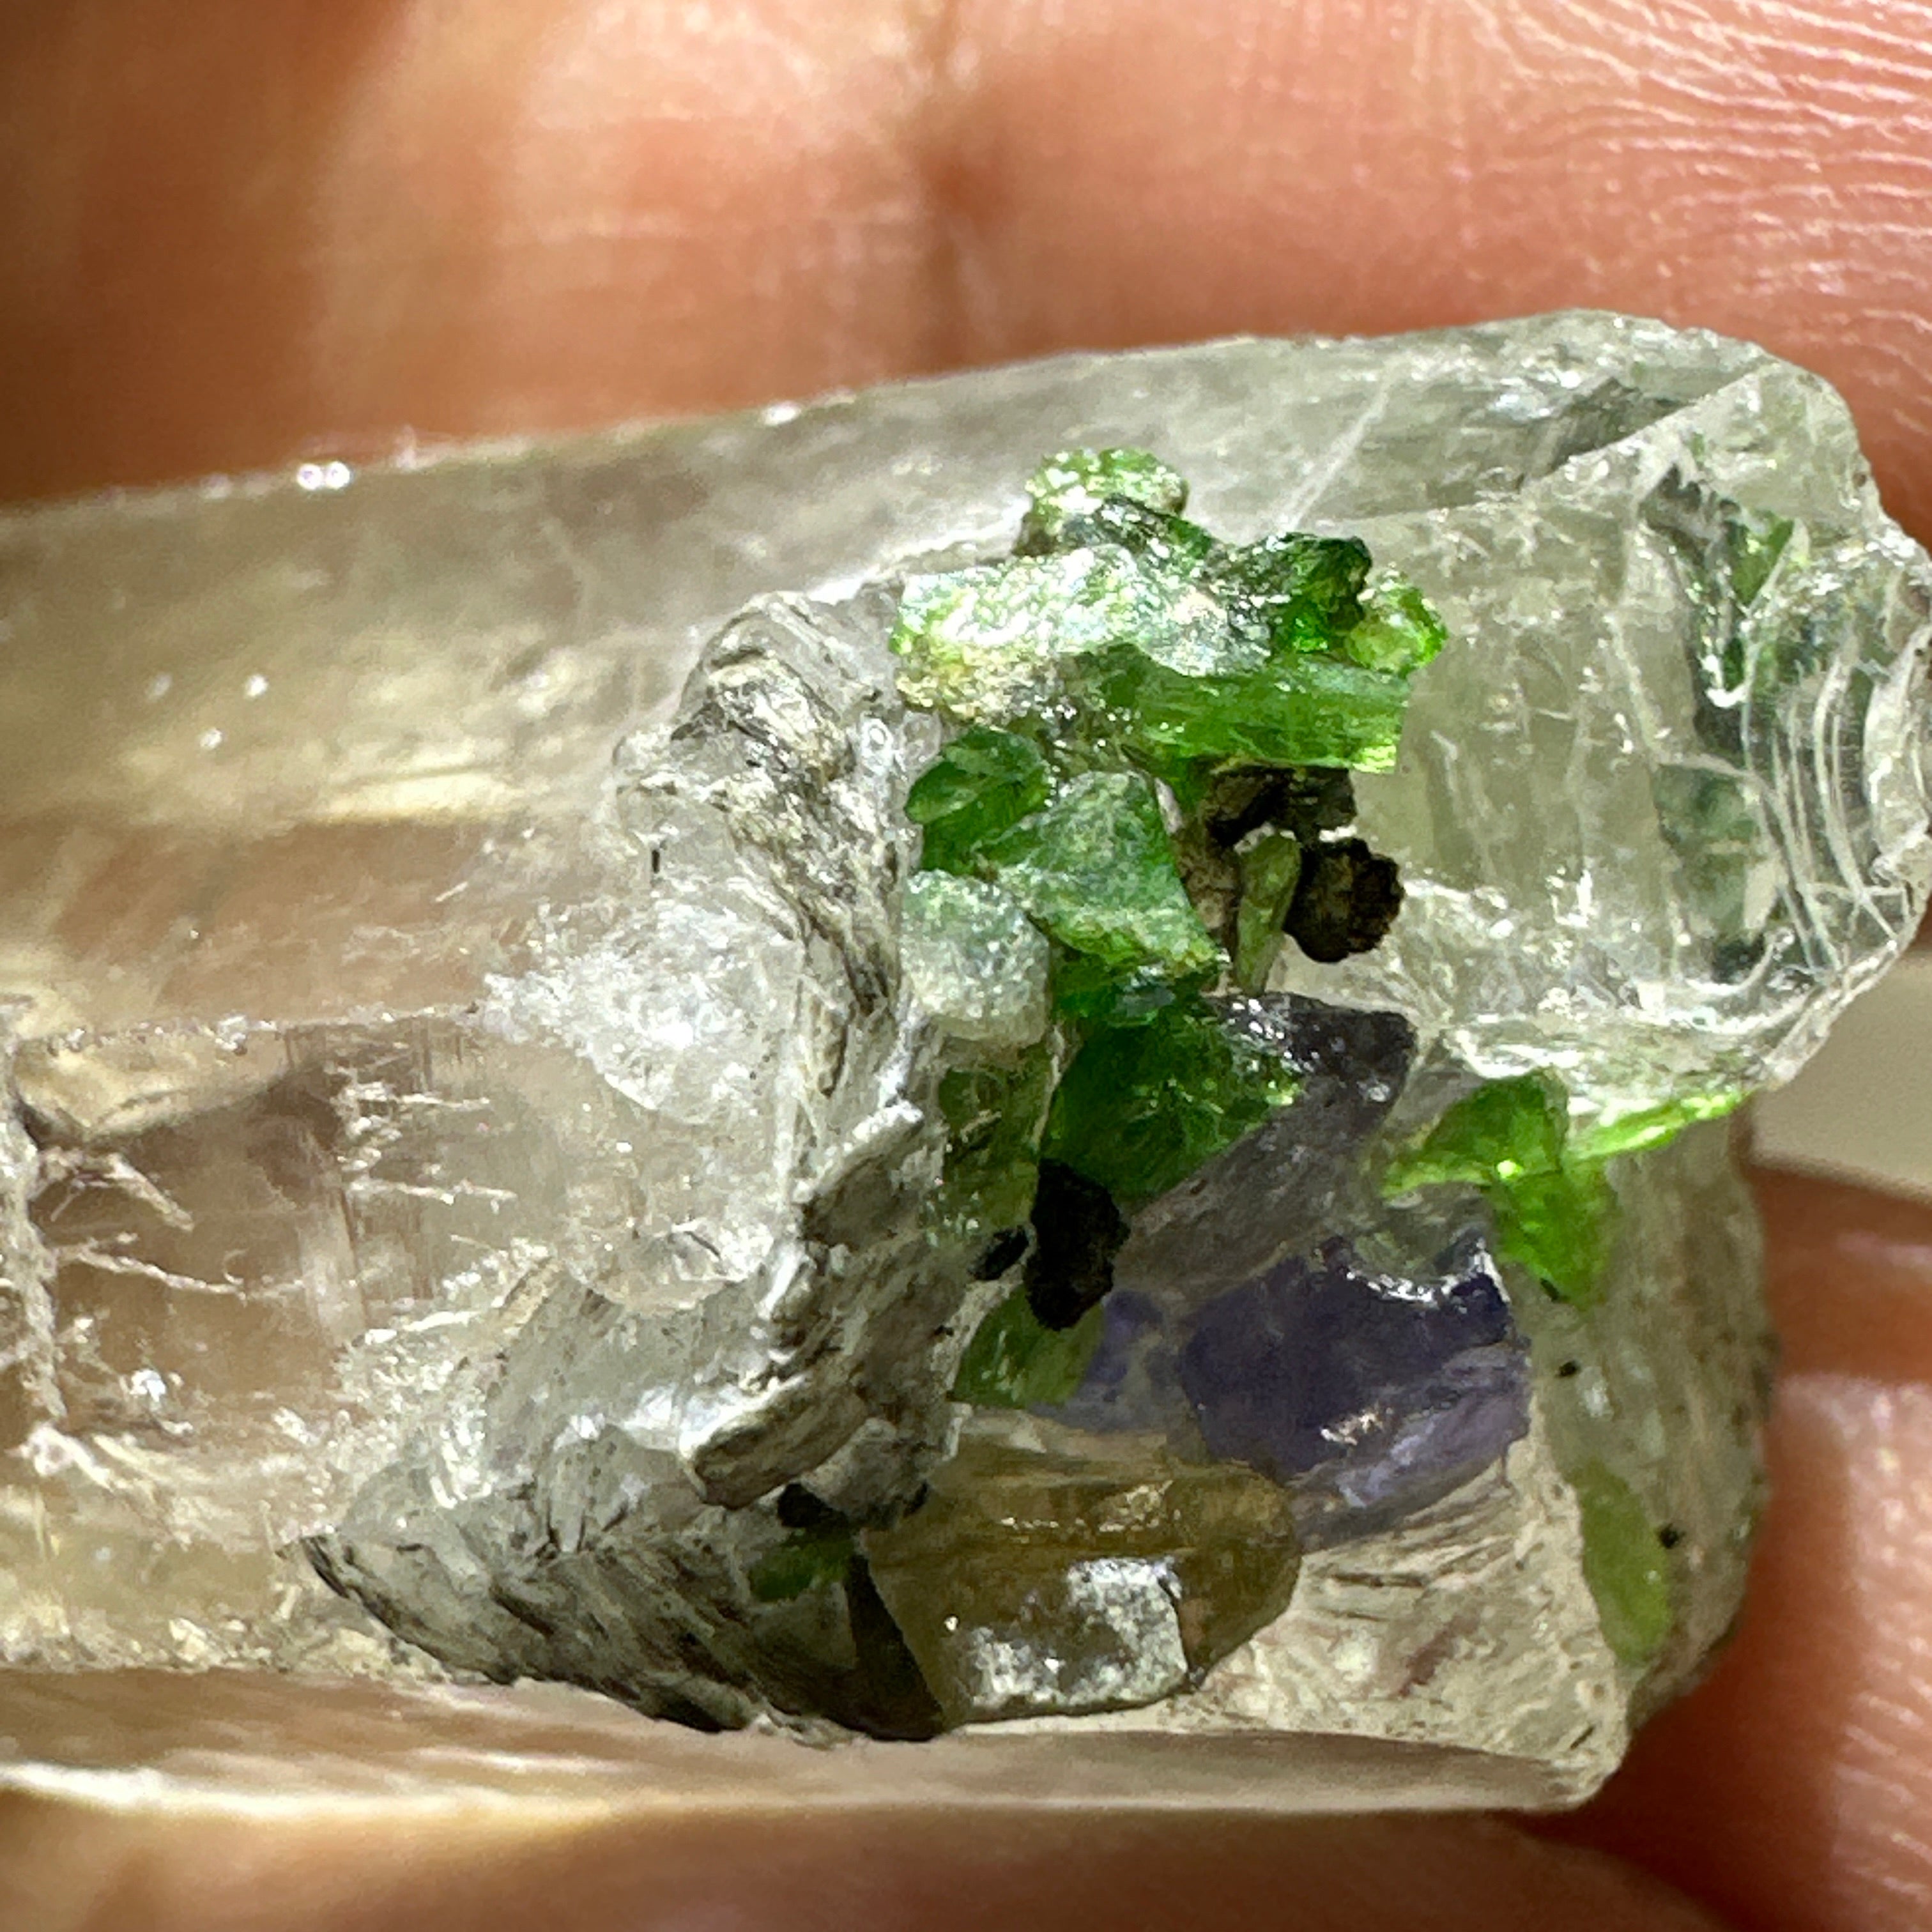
<point>1371,1395</point>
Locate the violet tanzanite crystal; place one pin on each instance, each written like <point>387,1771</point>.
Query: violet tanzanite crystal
<point>1370,1397</point>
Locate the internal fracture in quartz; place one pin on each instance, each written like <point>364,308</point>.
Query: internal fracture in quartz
<point>1119,1125</point>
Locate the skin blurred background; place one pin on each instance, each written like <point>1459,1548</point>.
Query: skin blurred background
<point>238,232</point>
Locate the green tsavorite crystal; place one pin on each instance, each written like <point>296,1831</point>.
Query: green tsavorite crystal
<point>1554,1209</point>
<point>984,781</point>
<point>1096,869</point>
<point>1131,691</point>
<point>987,646</point>
<point>1124,626</point>
<point>1015,1361</point>
<point>1639,1131</point>
<point>1292,593</point>
<point>973,960</point>
<point>1397,631</point>
<point>1269,870</point>
<point>1143,1105</point>
<point>1511,1139</point>
<point>1301,708</point>
<point>994,1116</point>
<point>1624,1564</point>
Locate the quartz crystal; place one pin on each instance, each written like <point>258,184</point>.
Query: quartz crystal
<point>1015,1070</point>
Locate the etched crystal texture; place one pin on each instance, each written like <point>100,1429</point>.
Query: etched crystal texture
<point>1034,1062</point>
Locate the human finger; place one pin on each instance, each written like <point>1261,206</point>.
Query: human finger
<point>911,1871</point>
<point>238,233</point>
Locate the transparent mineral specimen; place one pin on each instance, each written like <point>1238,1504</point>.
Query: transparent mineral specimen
<point>818,1075</point>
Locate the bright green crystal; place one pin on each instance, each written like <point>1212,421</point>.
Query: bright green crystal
<point>1096,869</point>
<point>1623,1563</point>
<point>1124,632</point>
<point>1503,1131</point>
<point>1142,1106</point>
<point>1559,1225</point>
<point>1755,542</point>
<point>1270,869</point>
<point>1650,1127</point>
<point>1169,546</point>
<point>1087,993</point>
<point>1303,708</point>
<point>984,781</point>
<point>1293,592</point>
<point>1510,1138</point>
<point>1398,632</point>
<point>1545,1182</point>
<point>986,646</point>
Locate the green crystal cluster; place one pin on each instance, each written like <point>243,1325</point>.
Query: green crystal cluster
<point>1546,1183</point>
<point>1151,733</point>
<point>1547,1187</point>
<point>1150,736</point>
<point>1121,636</point>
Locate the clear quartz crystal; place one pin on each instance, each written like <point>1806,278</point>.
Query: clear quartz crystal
<point>474,1113</point>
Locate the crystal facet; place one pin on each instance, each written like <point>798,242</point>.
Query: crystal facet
<point>1040,1055</point>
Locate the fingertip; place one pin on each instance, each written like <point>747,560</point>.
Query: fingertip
<point>901,1871</point>
<point>231,245</point>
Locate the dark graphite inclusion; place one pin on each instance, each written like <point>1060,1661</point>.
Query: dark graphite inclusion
<point>1155,1170</point>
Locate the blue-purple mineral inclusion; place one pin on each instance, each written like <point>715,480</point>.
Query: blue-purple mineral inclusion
<point>1370,1395</point>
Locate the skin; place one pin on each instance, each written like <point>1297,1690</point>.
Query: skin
<point>236,234</point>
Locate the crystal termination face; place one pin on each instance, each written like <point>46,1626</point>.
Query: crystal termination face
<point>1110,1126</point>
